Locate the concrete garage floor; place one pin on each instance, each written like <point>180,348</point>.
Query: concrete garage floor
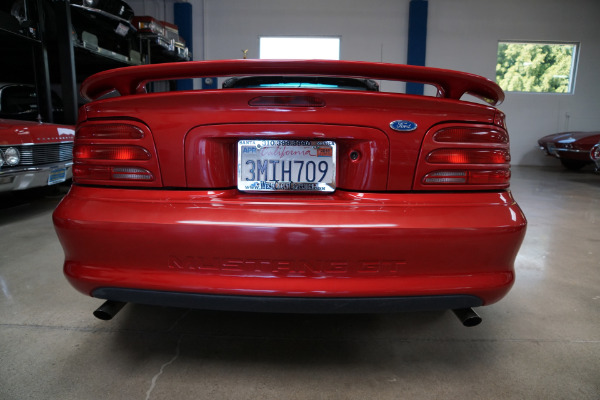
<point>541,342</point>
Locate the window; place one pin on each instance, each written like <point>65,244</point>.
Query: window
<point>19,99</point>
<point>297,48</point>
<point>536,67</point>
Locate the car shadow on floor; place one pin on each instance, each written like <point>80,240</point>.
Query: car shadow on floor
<point>278,339</point>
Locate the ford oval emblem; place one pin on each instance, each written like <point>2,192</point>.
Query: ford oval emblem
<point>403,126</point>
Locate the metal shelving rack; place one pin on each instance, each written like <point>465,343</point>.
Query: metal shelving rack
<point>33,56</point>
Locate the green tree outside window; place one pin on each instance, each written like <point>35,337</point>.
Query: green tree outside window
<point>535,67</point>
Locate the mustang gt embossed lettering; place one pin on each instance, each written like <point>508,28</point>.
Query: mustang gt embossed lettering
<point>298,268</point>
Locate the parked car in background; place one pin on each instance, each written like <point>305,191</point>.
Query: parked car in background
<point>162,38</point>
<point>320,195</point>
<point>180,48</point>
<point>34,154</point>
<point>575,150</point>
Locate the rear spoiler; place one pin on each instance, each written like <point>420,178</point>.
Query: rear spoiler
<point>450,84</point>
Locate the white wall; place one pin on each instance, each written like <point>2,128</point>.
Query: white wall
<point>370,30</point>
<point>462,35</point>
<point>373,30</point>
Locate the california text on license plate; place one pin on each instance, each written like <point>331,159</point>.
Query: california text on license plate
<point>286,165</point>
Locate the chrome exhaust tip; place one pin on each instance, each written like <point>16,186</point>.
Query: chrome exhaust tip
<point>108,310</point>
<point>467,316</point>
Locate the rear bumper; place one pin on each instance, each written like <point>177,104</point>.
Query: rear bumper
<point>560,152</point>
<point>318,248</point>
<point>304,305</point>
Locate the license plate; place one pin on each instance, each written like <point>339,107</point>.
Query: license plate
<point>57,175</point>
<point>286,165</point>
<point>122,30</point>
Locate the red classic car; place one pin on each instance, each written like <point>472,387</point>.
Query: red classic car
<point>313,197</point>
<point>34,154</point>
<point>162,37</point>
<point>575,150</point>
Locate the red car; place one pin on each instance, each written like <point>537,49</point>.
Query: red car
<point>575,150</point>
<point>162,37</point>
<point>34,154</point>
<point>308,192</point>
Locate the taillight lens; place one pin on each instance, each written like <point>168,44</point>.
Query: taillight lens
<point>470,135</point>
<point>112,173</point>
<point>464,157</point>
<point>500,119</point>
<point>131,174</point>
<point>110,152</point>
<point>468,156</point>
<point>468,177</point>
<point>115,153</point>
<point>151,27</point>
<point>109,131</point>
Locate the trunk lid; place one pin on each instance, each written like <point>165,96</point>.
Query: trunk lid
<point>196,133</point>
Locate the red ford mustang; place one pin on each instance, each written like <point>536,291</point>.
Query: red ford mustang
<point>297,187</point>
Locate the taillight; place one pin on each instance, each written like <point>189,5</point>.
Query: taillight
<point>115,153</point>
<point>110,152</point>
<point>470,135</point>
<point>474,177</point>
<point>110,131</point>
<point>500,119</point>
<point>464,157</point>
<point>468,156</point>
<point>112,173</point>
